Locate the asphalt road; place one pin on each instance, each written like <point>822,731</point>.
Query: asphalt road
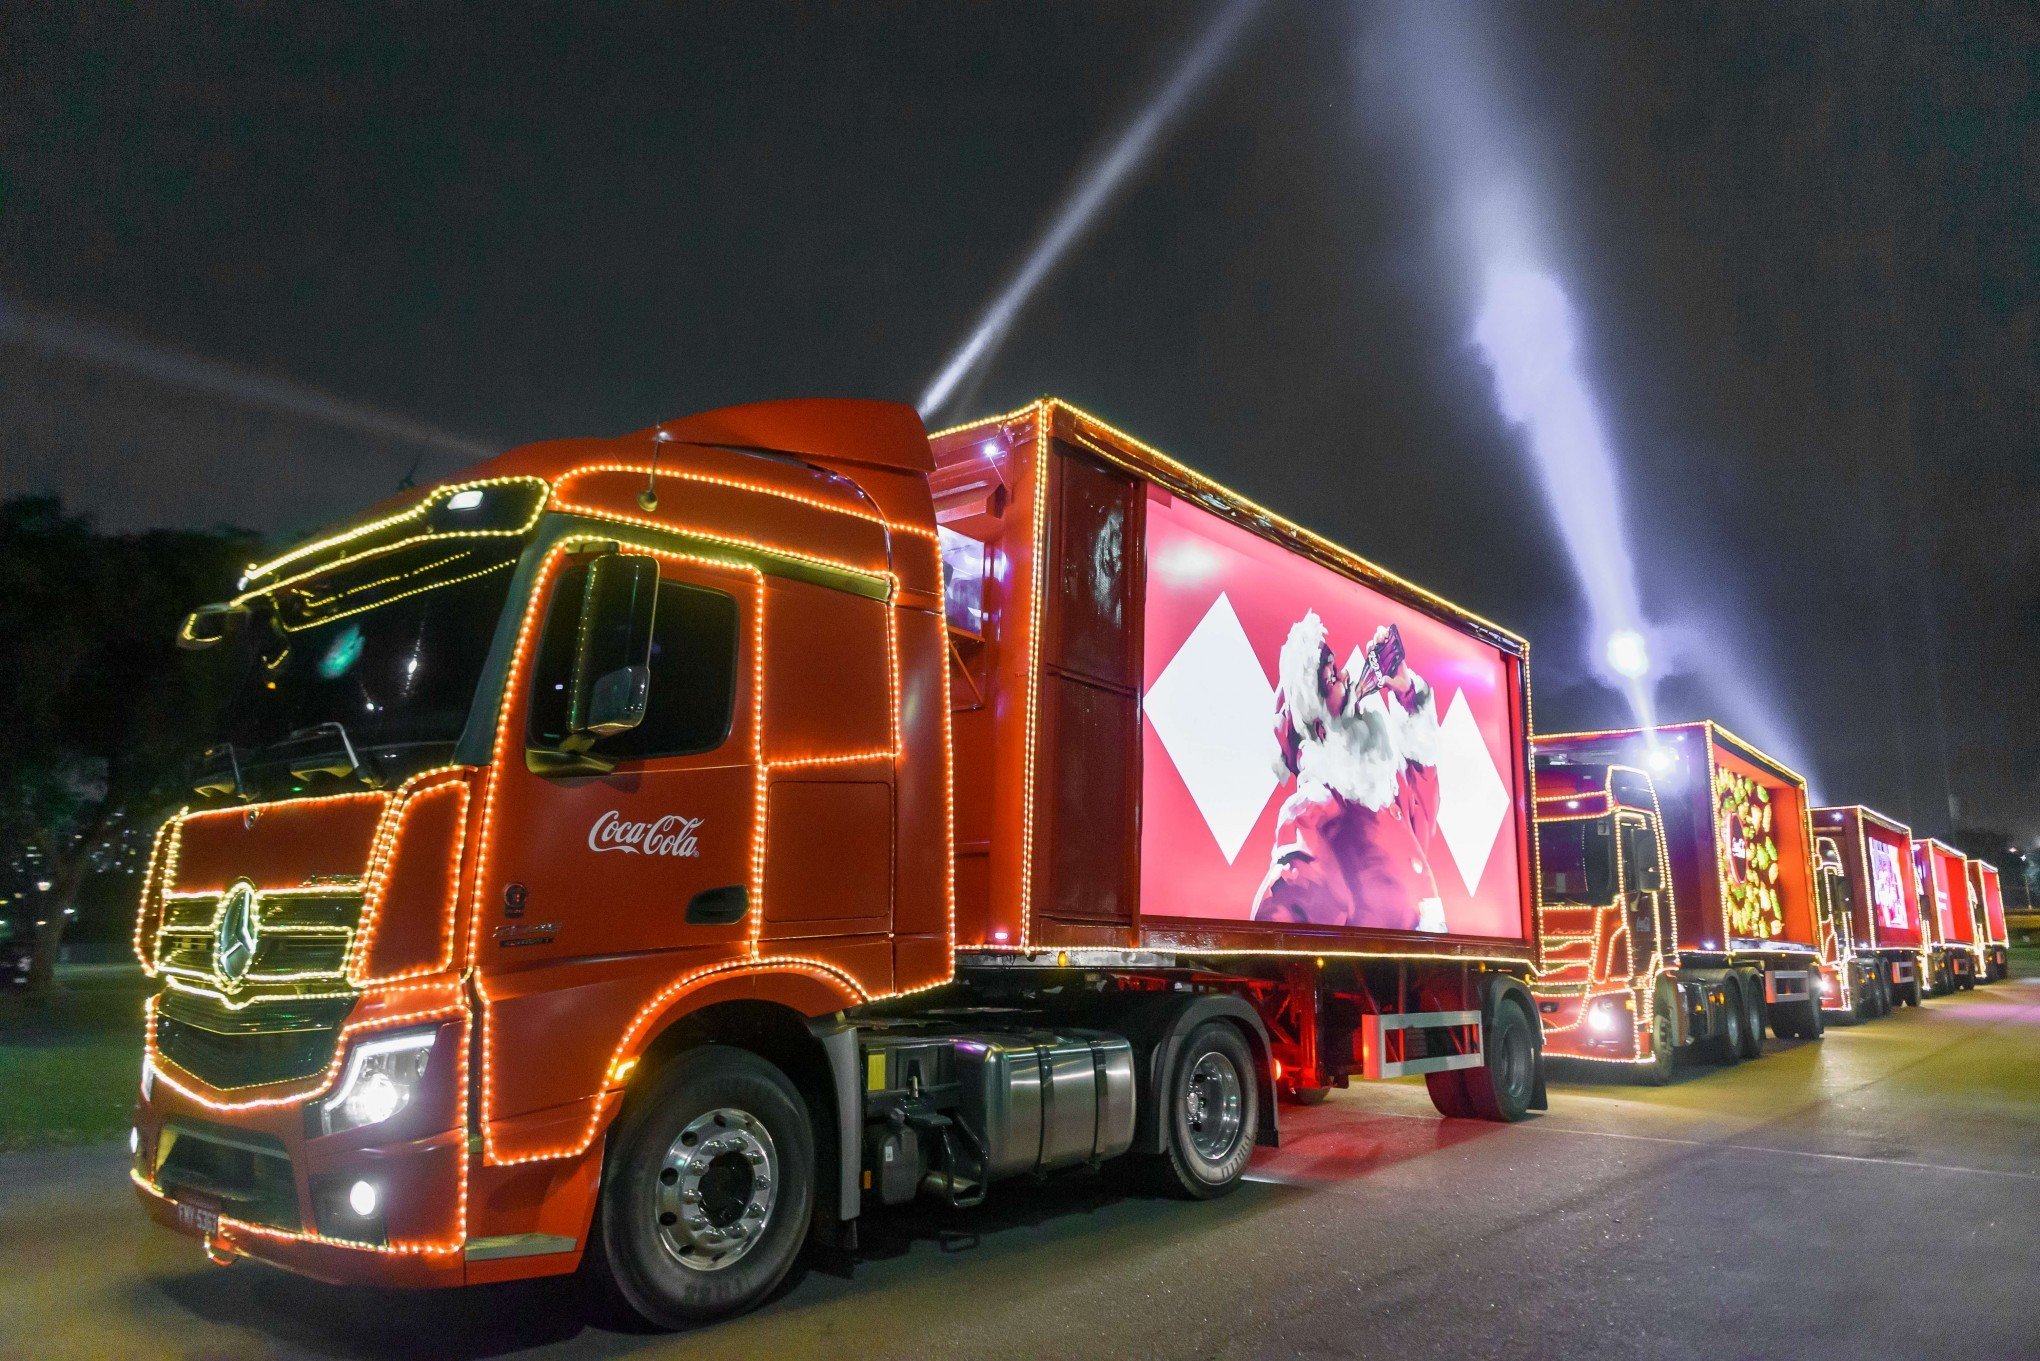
<point>1876,1194</point>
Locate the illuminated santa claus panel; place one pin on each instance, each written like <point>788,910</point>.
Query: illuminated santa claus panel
<point>1314,752</point>
<point>1889,899</point>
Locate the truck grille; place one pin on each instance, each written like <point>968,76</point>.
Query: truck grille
<point>301,936</point>
<point>276,1041</point>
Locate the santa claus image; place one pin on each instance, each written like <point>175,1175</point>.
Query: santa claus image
<point>1352,844</point>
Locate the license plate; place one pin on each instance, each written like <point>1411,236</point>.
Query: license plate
<point>198,1218</point>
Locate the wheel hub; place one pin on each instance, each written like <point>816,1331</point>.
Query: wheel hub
<point>716,1188</point>
<point>1211,1105</point>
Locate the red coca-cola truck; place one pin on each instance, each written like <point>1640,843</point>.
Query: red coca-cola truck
<point>640,854</point>
<point>1865,864</point>
<point>1994,939</point>
<point>1954,959</point>
<point>1679,900</point>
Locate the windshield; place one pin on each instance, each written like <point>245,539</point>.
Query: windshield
<point>1573,861</point>
<point>389,648</point>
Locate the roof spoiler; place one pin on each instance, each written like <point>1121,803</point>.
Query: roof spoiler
<point>826,429</point>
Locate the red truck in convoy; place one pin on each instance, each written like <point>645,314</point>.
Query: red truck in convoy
<point>1953,958</point>
<point>1994,939</point>
<point>1679,904</point>
<point>641,854</point>
<point>1866,869</point>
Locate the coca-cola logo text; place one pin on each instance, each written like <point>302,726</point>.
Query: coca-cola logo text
<point>670,835</point>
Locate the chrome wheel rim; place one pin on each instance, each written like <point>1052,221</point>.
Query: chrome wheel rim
<point>715,1190</point>
<point>1211,1106</point>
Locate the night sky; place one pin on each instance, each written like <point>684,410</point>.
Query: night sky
<point>1802,242</point>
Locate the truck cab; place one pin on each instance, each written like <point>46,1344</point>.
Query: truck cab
<point>1610,991</point>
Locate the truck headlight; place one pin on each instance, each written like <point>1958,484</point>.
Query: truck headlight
<point>381,1078</point>
<point>1604,1017</point>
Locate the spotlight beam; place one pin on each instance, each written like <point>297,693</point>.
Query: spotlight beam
<point>78,340</point>
<point>1088,196</point>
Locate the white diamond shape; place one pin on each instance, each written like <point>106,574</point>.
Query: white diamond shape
<point>1472,800</point>
<point>1214,711</point>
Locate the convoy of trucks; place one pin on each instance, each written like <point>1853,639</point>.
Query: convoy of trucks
<point>639,856</point>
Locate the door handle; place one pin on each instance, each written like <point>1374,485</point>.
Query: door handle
<point>719,906</point>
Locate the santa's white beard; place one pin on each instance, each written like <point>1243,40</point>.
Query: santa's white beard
<point>1361,756</point>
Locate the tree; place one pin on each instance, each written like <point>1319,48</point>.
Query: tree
<point>100,714</point>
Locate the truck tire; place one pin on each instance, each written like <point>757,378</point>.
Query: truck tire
<point>707,1190</point>
<point>1448,1094</point>
<point>1753,1017</point>
<point>1211,1115</point>
<point>1664,1037</point>
<point>1501,1088</point>
<point>1728,1043</point>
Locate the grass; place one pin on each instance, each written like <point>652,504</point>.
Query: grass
<point>68,1068</point>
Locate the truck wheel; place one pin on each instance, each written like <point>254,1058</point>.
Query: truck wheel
<point>1501,1088</point>
<point>1728,1043</point>
<point>1211,1115</point>
<point>1753,1018</point>
<point>1664,1039</point>
<point>707,1190</point>
<point>1448,1094</point>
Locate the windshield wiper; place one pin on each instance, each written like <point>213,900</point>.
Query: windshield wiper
<point>340,764</point>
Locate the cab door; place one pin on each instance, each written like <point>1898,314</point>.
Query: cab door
<point>1643,889</point>
<point>601,889</point>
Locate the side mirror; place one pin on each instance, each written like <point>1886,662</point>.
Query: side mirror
<point>209,625</point>
<point>1646,872</point>
<point>611,677</point>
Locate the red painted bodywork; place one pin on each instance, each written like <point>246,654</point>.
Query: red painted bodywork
<point>891,791</point>
<point>1050,473</point>
<point>1590,954</point>
<point>1855,830</point>
<point>1987,893</point>
<point>1944,871</point>
<point>1685,794</point>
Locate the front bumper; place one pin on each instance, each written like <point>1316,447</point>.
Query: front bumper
<point>260,1182</point>
<point>1863,974</point>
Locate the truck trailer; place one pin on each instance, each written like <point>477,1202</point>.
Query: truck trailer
<point>1994,939</point>
<point>1953,957</point>
<point>640,855</point>
<point>1867,868</point>
<point>1679,900</point>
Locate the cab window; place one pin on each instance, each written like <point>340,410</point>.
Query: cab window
<point>694,673</point>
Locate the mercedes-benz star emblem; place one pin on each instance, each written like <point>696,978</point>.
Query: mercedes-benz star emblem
<point>238,933</point>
